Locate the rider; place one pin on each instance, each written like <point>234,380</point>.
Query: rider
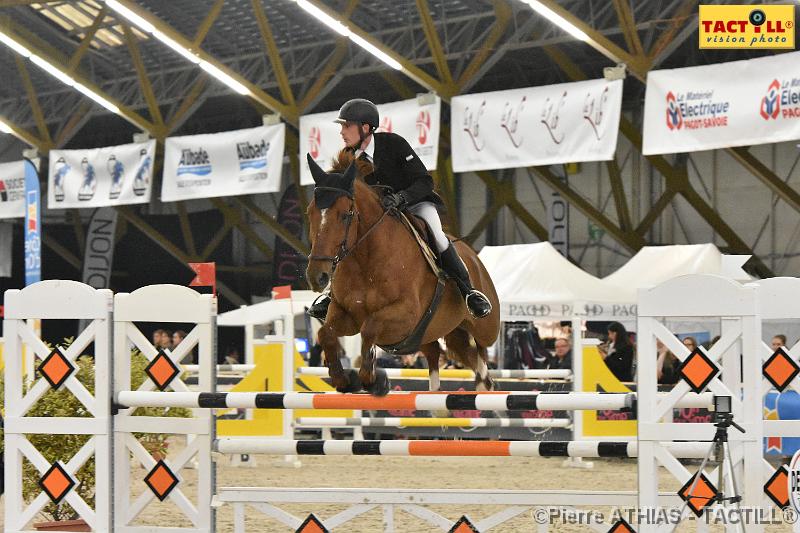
<point>398,166</point>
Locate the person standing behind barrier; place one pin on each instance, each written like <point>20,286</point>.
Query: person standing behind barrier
<point>778,341</point>
<point>562,360</point>
<point>666,365</point>
<point>619,355</point>
<point>690,343</point>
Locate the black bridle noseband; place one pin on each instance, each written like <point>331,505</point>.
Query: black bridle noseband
<point>344,251</point>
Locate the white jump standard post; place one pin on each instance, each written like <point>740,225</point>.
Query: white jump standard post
<point>57,300</point>
<point>736,307</point>
<point>164,303</point>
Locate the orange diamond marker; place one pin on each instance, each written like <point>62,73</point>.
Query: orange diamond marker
<point>780,369</point>
<point>56,482</point>
<point>56,368</point>
<point>704,494</point>
<point>621,526</point>
<point>463,526</point>
<point>161,480</point>
<point>777,488</point>
<point>311,525</point>
<point>698,370</point>
<point>162,370</point>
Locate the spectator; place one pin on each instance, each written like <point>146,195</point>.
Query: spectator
<point>387,360</point>
<point>690,343</point>
<point>619,353</point>
<point>178,337</point>
<point>666,365</point>
<point>158,338</point>
<point>562,360</point>
<point>778,341</point>
<point>232,356</point>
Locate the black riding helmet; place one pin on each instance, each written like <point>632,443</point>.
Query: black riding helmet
<point>361,111</point>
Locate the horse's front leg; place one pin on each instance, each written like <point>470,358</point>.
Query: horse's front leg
<point>336,325</point>
<point>373,379</point>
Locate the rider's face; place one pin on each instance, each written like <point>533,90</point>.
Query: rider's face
<point>349,133</point>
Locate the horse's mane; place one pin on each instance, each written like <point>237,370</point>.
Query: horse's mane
<point>363,168</point>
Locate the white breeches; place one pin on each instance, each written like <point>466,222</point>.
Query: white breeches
<point>427,212</point>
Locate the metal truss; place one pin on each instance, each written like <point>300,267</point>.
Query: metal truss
<point>294,65</point>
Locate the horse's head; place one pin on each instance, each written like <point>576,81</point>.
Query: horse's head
<point>331,215</point>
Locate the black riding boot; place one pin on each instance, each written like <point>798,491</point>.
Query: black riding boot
<point>477,302</point>
<point>319,309</point>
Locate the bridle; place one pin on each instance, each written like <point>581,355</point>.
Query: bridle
<point>344,251</point>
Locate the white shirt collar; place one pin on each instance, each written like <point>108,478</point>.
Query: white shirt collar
<point>370,150</point>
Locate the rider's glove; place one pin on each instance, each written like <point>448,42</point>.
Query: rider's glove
<point>395,200</point>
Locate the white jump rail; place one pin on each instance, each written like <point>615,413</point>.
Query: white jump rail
<point>416,422</point>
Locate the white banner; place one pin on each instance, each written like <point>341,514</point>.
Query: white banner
<point>417,123</point>
<point>564,123</point>
<point>740,103</point>
<point>114,175</point>
<point>223,164</point>
<point>12,190</point>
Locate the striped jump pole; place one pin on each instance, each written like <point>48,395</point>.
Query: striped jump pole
<point>342,422</point>
<point>459,448</point>
<point>480,401</point>
<point>450,373</point>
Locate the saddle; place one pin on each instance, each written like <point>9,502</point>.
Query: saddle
<point>422,234</point>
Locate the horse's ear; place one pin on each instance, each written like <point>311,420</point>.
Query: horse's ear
<point>316,171</point>
<point>350,176</point>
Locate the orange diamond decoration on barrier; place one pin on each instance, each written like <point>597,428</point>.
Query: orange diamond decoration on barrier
<point>463,526</point>
<point>56,482</point>
<point>703,494</point>
<point>621,526</point>
<point>311,525</point>
<point>698,370</point>
<point>777,488</point>
<point>162,370</point>
<point>56,368</point>
<point>161,480</point>
<point>780,369</point>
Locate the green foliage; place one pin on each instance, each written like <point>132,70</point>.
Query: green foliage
<point>62,403</point>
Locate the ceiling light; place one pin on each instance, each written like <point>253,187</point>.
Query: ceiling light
<point>341,29</point>
<point>130,15</point>
<point>14,45</point>
<point>374,50</point>
<point>5,128</point>
<point>557,19</point>
<point>52,70</point>
<point>97,98</point>
<point>182,50</point>
<point>224,78</point>
<point>323,17</point>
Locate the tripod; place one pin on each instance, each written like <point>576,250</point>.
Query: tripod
<point>722,457</point>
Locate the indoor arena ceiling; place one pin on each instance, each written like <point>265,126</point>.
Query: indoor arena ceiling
<point>486,45</point>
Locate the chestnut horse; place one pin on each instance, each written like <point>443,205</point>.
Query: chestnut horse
<point>381,284</point>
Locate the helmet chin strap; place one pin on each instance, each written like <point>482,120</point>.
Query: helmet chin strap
<point>362,136</point>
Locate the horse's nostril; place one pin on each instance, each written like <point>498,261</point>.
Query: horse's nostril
<point>323,279</point>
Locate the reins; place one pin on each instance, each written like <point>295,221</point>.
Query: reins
<point>344,251</point>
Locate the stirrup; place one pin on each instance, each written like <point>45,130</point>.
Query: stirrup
<point>483,312</point>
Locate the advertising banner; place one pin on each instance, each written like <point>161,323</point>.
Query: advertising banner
<point>740,103</point>
<point>12,190</point>
<point>565,123</point>
<point>417,123</point>
<point>231,163</point>
<point>98,177</point>
<point>33,225</point>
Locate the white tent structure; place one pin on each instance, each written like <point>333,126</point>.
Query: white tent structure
<point>653,265</point>
<point>535,282</point>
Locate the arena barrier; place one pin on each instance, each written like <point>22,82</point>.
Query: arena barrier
<point>656,444</point>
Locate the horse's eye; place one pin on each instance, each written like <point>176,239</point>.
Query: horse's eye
<point>343,216</point>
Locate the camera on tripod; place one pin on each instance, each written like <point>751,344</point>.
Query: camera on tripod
<point>723,415</point>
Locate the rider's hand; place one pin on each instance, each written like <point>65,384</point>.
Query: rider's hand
<point>394,200</point>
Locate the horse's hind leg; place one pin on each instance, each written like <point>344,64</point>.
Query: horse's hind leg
<point>471,355</point>
<point>432,351</point>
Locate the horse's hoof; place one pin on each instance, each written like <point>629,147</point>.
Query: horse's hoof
<point>380,387</point>
<point>353,383</point>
